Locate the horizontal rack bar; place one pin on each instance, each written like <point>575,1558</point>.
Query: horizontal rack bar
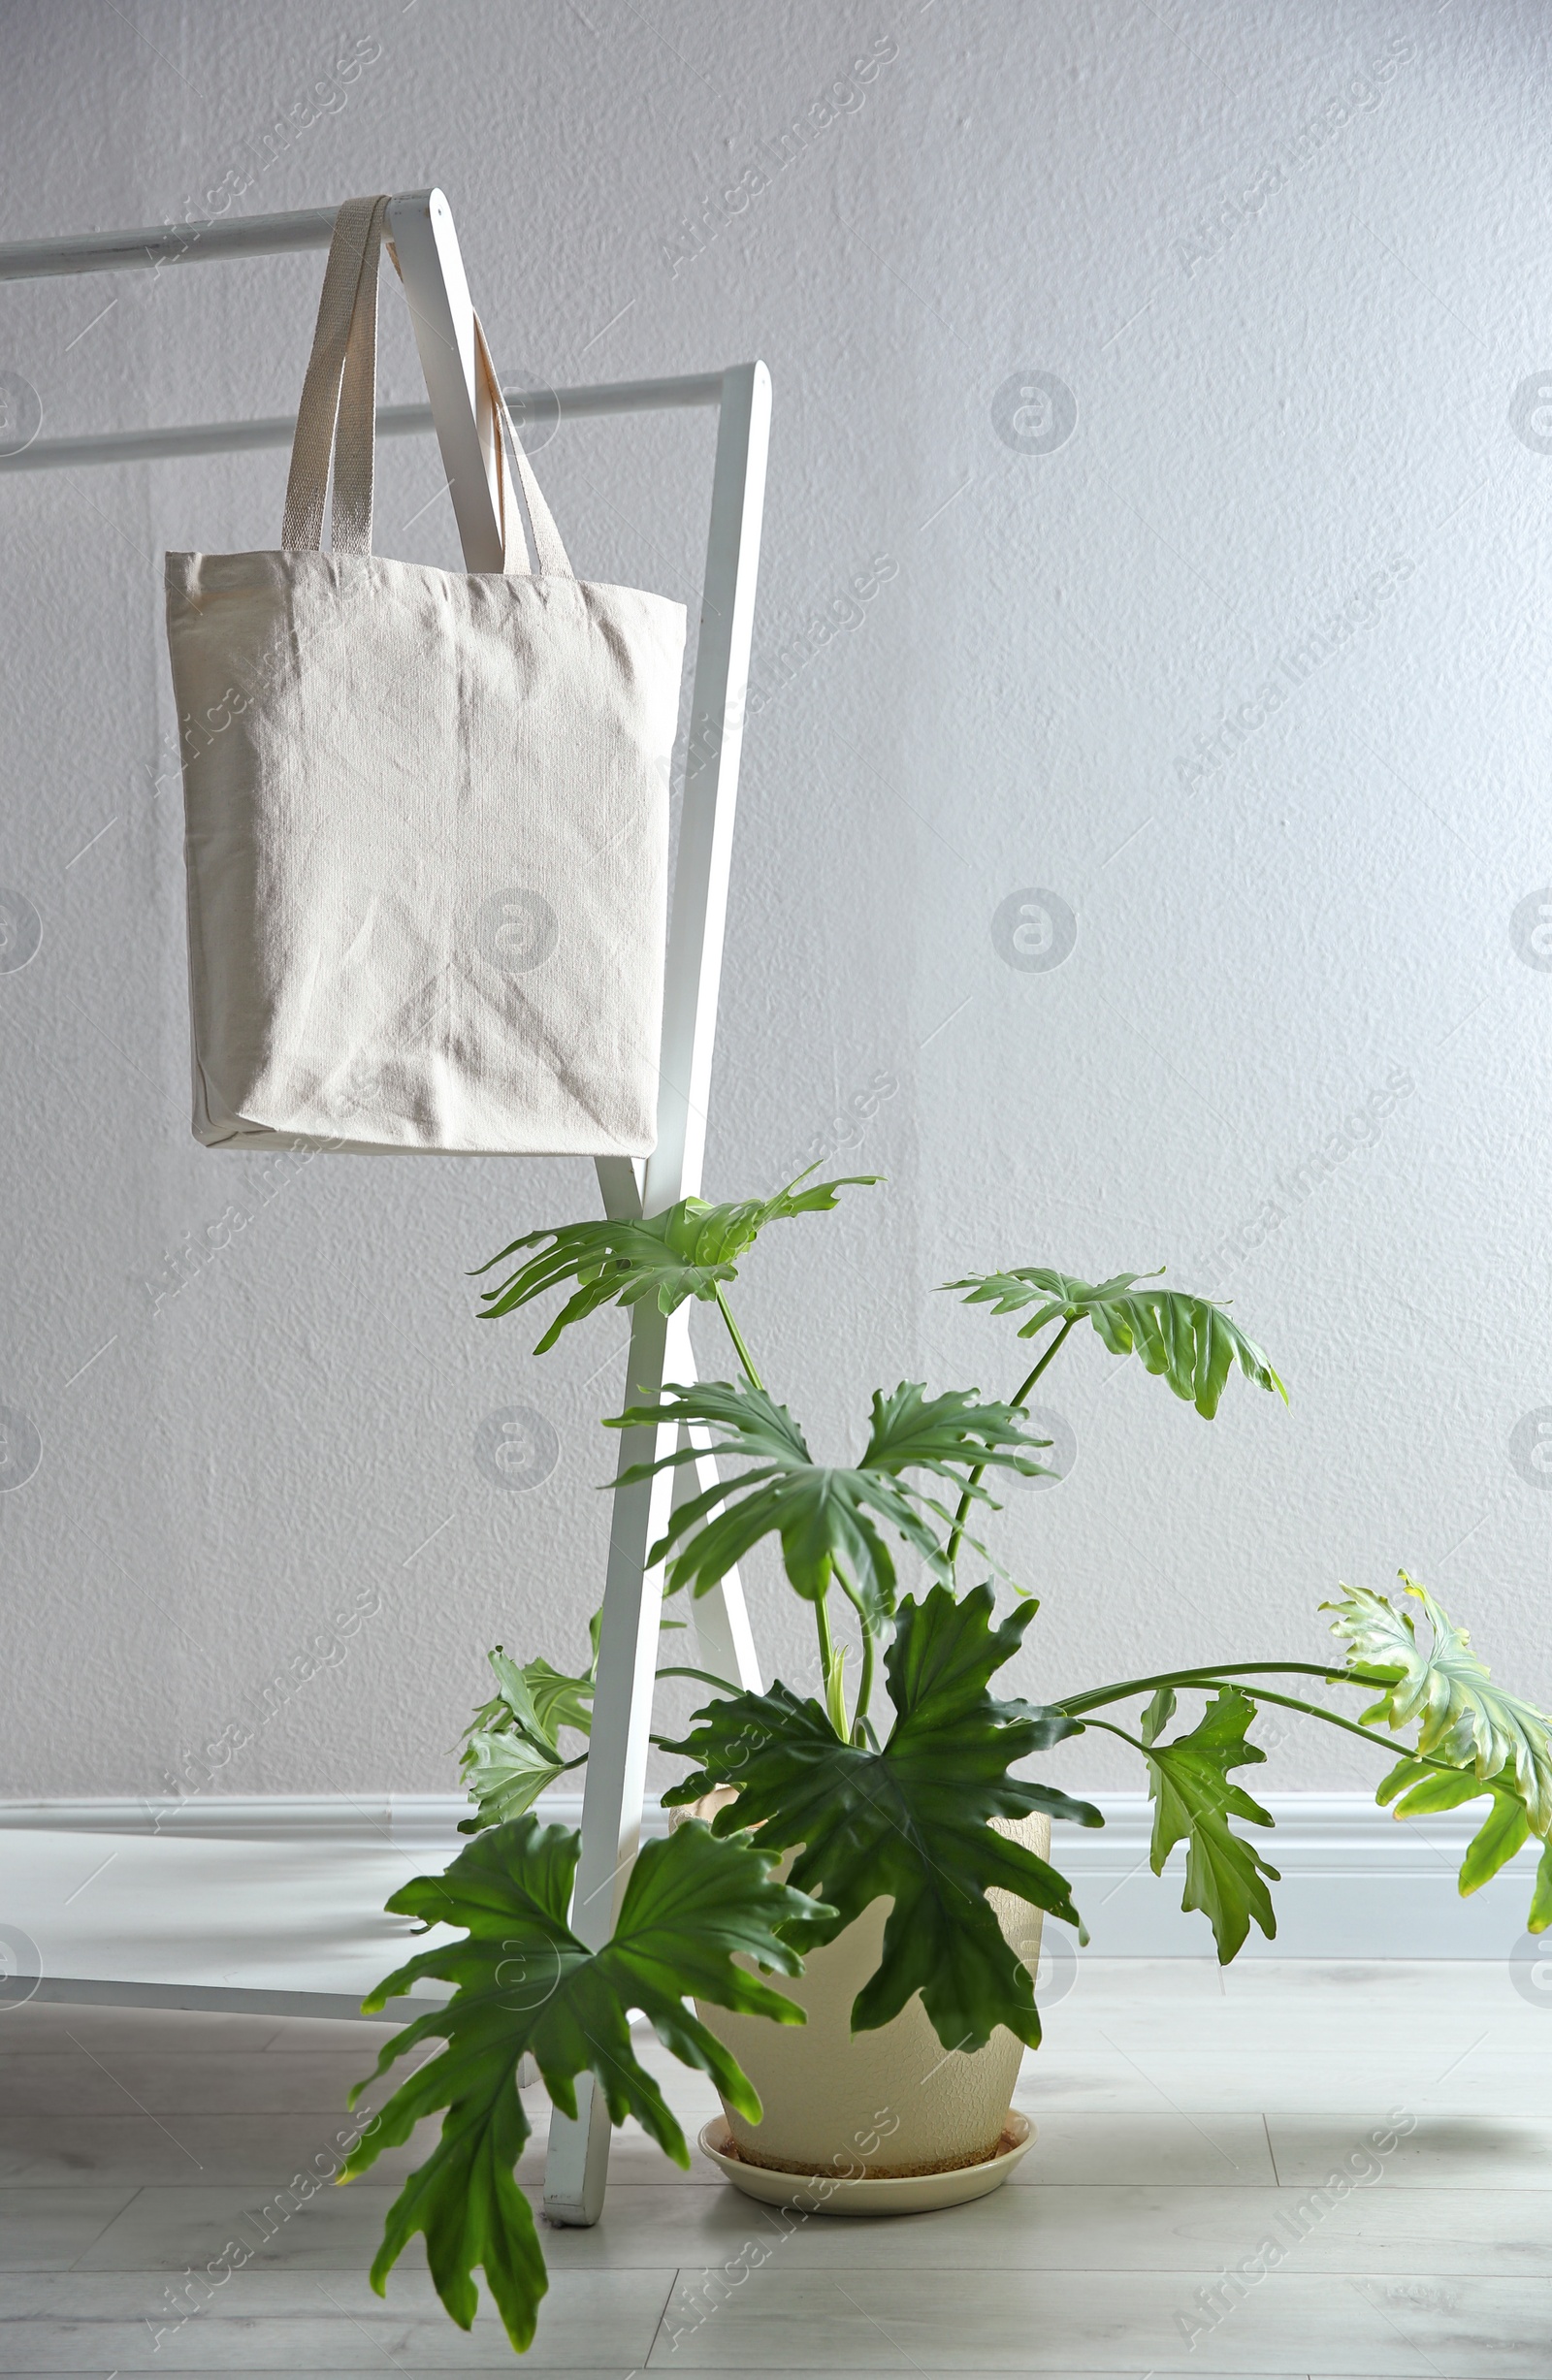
<point>167,243</point>
<point>393,422</point>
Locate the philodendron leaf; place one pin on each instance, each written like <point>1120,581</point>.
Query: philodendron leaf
<point>1193,1802</point>
<point>948,1435</point>
<point>1420,1788</point>
<point>830,1517</point>
<point>524,1982</point>
<point>1500,1836</point>
<point>909,1822</point>
<point>1158,1713</point>
<point>1463,1717</point>
<point>511,1750</point>
<point>1188,1342</point>
<point>1540,1917</point>
<point>554,1697</point>
<point>504,1774</point>
<point>685,1252</point>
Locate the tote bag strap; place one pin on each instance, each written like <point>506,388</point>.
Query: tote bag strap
<point>337,416</point>
<point>517,491</point>
<point>336,419</point>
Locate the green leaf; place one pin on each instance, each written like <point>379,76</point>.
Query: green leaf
<point>1420,1789</point>
<point>915,1432</point>
<point>556,1699</point>
<point>511,1750</point>
<point>1158,1713</point>
<point>1464,1718</point>
<point>1188,1342</point>
<point>827,1516</point>
<point>1502,1833</point>
<point>682,1253</point>
<point>1194,1801</point>
<point>835,1694</point>
<point>909,1822</point>
<point>504,1774</point>
<point>824,1516</point>
<point>525,1983</point>
<point>1540,1917</point>
<point>536,1699</point>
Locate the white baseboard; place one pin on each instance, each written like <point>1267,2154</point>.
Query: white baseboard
<point>1355,1884</point>
<point>406,1822</point>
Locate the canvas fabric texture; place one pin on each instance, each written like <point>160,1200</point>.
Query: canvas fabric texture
<point>427,812</point>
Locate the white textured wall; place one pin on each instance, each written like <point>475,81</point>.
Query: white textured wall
<point>1231,632</point>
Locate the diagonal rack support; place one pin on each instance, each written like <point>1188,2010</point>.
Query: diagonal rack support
<point>425,248</point>
<point>577,2164</point>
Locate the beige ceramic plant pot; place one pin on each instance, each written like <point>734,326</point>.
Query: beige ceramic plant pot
<point>881,2104</point>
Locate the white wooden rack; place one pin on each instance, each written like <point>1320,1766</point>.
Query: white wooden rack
<point>425,244</point>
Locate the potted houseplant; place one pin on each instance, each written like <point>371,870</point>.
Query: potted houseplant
<point>819,1813</point>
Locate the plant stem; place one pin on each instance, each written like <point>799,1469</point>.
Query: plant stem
<point>1110,1727</point>
<point>865,1688</point>
<point>1313,1710</point>
<point>1017,1399</point>
<point>1371,1735</point>
<point>736,1335</point>
<point>827,1644</point>
<point>707,1677</point>
<point>1074,1705</point>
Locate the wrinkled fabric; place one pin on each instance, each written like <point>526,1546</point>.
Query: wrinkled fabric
<point>426,846</point>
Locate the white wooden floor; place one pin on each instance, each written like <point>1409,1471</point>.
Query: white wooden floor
<point>1185,2117</point>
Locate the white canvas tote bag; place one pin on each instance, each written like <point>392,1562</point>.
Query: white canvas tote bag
<point>427,814</point>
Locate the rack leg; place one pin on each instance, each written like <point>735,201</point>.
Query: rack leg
<point>577,2166</point>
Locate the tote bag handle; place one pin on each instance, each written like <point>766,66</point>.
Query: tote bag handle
<point>336,419</point>
<point>549,553</point>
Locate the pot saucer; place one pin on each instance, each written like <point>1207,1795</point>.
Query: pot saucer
<point>902,2194</point>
